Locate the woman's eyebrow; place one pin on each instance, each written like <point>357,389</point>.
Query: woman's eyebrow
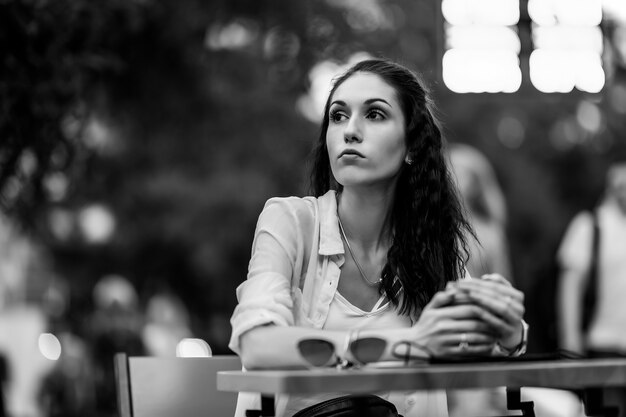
<point>374,100</point>
<point>368,101</point>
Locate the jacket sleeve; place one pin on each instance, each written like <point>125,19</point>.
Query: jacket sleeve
<point>265,296</point>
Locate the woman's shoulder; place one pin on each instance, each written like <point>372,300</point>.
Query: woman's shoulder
<point>299,206</point>
<point>291,204</point>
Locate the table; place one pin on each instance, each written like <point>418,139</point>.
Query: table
<point>590,376</point>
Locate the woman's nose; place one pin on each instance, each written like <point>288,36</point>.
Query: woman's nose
<point>352,132</point>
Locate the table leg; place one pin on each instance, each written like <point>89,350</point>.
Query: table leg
<point>514,402</point>
<point>267,408</point>
<point>267,405</point>
<point>593,399</point>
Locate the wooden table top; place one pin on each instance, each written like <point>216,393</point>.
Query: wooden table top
<point>564,373</point>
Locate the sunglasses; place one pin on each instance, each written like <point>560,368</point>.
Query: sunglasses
<point>319,353</point>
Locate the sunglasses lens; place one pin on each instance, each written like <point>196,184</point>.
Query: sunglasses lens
<point>316,352</point>
<point>368,349</point>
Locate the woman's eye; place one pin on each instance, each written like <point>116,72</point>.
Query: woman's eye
<point>376,114</point>
<point>337,116</point>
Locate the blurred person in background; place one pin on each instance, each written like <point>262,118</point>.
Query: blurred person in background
<point>69,389</point>
<point>486,208</point>
<point>21,321</point>
<point>378,252</point>
<point>114,326</point>
<point>605,335</point>
<point>167,323</point>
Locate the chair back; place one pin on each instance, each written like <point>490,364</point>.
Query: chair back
<point>173,387</point>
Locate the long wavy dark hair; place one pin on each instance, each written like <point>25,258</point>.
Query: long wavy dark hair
<point>429,246</point>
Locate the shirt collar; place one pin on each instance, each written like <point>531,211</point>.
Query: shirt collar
<point>330,239</point>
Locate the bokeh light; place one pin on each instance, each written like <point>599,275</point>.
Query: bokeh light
<point>565,12</point>
<point>234,35</point>
<point>511,131</point>
<point>321,75</point>
<point>589,116</point>
<point>615,9</point>
<point>193,348</point>
<point>560,71</point>
<point>481,12</point>
<point>97,223</point>
<point>49,346</point>
<point>56,185</point>
<point>61,223</point>
<point>480,71</point>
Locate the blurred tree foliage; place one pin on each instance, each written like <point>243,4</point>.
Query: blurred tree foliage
<point>140,107</point>
<point>179,117</point>
<point>51,55</point>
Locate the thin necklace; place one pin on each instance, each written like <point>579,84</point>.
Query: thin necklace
<point>358,265</point>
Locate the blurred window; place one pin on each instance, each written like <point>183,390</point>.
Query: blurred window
<point>482,46</point>
<point>567,45</point>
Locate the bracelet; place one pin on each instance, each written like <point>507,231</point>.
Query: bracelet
<point>520,349</point>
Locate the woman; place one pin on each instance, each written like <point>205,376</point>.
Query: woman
<point>379,249</point>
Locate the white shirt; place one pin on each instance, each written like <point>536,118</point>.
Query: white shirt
<point>297,254</point>
<point>606,331</point>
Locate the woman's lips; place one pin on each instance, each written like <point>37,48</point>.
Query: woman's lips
<point>351,152</point>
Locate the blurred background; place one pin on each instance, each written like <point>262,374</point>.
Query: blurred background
<point>139,140</point>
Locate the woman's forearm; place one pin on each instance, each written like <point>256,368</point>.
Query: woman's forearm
<point>276,346</point>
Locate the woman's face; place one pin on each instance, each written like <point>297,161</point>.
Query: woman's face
<point>366,132</point>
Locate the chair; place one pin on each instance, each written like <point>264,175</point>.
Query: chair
<point>173,387</point>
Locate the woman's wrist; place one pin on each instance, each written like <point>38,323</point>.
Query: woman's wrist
<point>517,346</point>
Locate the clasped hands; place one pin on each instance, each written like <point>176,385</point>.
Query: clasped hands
<point>470,317</point>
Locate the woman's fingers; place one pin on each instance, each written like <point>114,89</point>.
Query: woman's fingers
<point>465,344</point>
<point>498,324</point>
<point>484,314</point>
<point>496,278</point>
<point>474,325</point>
<point>509,307</point>
<point>468,311</point>
<point>499,298</point>
<point>493,287</point>
<point>446,322</point>
<point>471,338</point>
<point>469,317</point>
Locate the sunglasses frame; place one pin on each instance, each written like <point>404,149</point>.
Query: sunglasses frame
<point>352,339</point>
